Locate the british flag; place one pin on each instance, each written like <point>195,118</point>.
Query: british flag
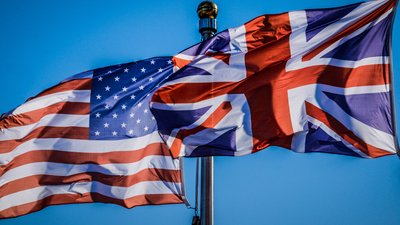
<point>308,80</point>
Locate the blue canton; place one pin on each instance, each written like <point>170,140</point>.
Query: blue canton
<point>119,101</point>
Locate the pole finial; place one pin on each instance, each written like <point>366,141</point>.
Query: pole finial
<point>207,12</point>
<point>207,9</point>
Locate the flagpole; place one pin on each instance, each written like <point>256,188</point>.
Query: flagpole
<point>207,12</point>
<point>393,115</point>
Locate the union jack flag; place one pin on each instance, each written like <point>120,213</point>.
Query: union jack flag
<point>308,80</point>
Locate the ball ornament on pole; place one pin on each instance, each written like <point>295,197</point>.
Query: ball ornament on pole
<point>207,12</point>
<point>207,9</point>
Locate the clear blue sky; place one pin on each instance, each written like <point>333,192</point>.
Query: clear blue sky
<point>42,42</point>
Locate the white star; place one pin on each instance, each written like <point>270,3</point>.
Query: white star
<point>106,125</point>
<point>140,104</point>
<point>124,89</point>
<point>115,115</point>
<point>138,121</point>
<point>152,62</point>
<point>109,71</point>
<point>146,128</point>
<point>106,106</point>
<point>148,95</point>
<point>169,61</point>
<point>100,78</point>
<point>160,70</point>
<point>115,96</point>
<point>97,133</point>
<point>97,115</point>
<point>130,131</point>
<point>141,87</point>
<point>166,77</point>
<point>126,70</point>
<point>131,115</point>
<point>98,96</point>
<point>133,96</point>
<point>123,125</point>
<point>114,133</point>
<point>133,79</point>
<point>116,78</point>
<point>145,111</point>
<point>123,106</point>
<point>143,70</point>
<point>107,88</point>
<point>151,79</point>
<point>153,118</point>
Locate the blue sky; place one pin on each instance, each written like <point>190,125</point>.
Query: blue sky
<point>42,42</point>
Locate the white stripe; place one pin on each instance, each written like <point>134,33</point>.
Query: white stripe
<point>62,169</point>
<point>38,193</point>
<point>186,57</point>
<point>85,146</point>
<point>338,62</point>
<point>54,120</point>
<point>47,100</point>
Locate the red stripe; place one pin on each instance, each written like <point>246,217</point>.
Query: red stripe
<point>180,62</point>
<point>267,39</point>
<point>59,199</point>
<point>47,132</point>
<point>377,74</point>
<point>79,84</point>
<point>210,122</point>
<point>85,158</point>
<point>149,174</point>
<point>70,108</point>
<point>225,57</point>
<point>192,92</point>
<point>343,132</point>
<point>364,21</point>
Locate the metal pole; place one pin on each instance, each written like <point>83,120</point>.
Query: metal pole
<point>207,191</point>
<point>207,12</point>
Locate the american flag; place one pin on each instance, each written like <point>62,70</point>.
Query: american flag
<point>309,80</point>
<point>91,138</point>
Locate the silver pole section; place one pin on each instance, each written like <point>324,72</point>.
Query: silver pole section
<point>207,12</point>
<point>207,191</point>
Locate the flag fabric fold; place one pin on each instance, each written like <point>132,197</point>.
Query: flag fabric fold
<point>91,138</point>
<point>308,80</point>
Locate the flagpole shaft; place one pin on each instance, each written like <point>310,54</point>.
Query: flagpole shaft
<point>207,191</point>
<point>207,12</point>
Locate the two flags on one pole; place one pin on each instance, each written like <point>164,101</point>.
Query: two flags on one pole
<point>91,138</point>
<point>308,80</point>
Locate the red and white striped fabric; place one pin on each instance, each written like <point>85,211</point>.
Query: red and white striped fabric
<point>47,156</point>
